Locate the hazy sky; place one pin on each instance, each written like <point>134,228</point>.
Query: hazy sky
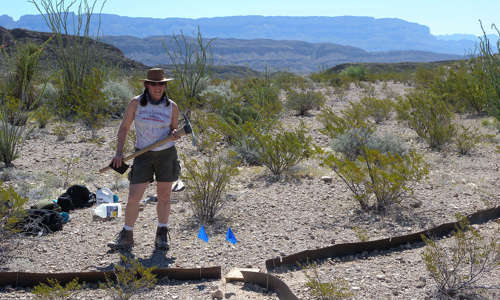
<point>441,16</point>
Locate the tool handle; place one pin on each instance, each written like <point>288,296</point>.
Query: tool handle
<point>180,132</point>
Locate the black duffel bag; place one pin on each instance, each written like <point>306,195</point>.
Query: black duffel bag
<point>40,222</point>
<point>76,196</point>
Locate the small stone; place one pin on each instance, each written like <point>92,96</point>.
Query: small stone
<point>416,204</point>
<point>217,294</point>
<point>380,276</point>
<point>327,179</point>
<point>355,288</point>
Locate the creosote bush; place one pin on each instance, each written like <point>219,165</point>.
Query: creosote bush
<point>338,288</point>
<point>130,278</point>
<point>459,268</point>
<point>208,180</point>
<point>304,101</point>
<point>384,177</point>
<point>11,210</point>
<point>379,109</point>
<point>53,290</point>
<point>429,116</point>
<point>466,139</point>
<point>284,149</point>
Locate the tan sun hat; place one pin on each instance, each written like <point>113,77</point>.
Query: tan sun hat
<point>156,75</point>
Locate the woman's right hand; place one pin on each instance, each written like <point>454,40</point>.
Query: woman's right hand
<point>117,160</point>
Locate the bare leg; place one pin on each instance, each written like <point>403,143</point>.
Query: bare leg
<point>164,189</point>
<point>134,196</point>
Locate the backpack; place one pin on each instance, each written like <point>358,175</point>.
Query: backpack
<point>76,196</point>
<point>40,222</point>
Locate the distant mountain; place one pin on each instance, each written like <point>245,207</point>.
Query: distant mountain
<point>385,34</point>
<point>294,56</point>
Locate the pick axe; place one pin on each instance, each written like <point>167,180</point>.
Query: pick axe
<point>186,129</point>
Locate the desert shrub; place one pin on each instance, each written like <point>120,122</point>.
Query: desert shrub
<point>91,106</point>
<point>118,94</point>
<point>334,124</point>
<point>11,139</point>
<point>385,177</point>
<point>466,139</point>
<point>25,70</point>
<point>304,101</point>
<point>429,116</point>
<point>61,131</point>
<point>11,212</point>
<point>351,143</point>
<point>458,269</point>
<point>287,81</point>
<point>354,73</point>
<point>284,149</point>
<point>53,290</point>
<point>74,48</point>
<point>130,278</point>
<point>379,109</point>
<point>338,288</point>
<point>209,180</point>
<point>262,95</point>
<point>48,93</point>
<point>42,115</point>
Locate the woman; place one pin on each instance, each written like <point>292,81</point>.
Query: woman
<point>155,117</point>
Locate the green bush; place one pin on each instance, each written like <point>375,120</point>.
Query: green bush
<point>489,63</point>
<point>42,115</point>
<point>208,181</point>
<point>11,212</point>
<point>262,95</point>
<point>385,177</point>
<point>338,288</point>
<point>21,82</point>
<point>284,149</point>
<point>466,139</point>
<point>459,268</point>
<point>429,116</point>
<point>379,109</point>
<point>11,139</point>
<point>90,104</point>
<point>130,278</point>
<point>351,143</point>
<point>118,94</point>
<point>354,116</point>
<point>53,290</point>
<point>354,73</point>
<point>304,101</point>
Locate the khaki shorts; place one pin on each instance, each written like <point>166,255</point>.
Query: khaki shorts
<point>163,164</point>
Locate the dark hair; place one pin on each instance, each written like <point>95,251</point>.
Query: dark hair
<point>144,101</point>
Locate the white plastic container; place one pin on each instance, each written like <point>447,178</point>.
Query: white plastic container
<point>108,210</point>
<point>103,195</point>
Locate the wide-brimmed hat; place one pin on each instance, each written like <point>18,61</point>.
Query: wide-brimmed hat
<point>156,75</point>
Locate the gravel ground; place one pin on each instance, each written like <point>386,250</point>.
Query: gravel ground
<point>268,217</point>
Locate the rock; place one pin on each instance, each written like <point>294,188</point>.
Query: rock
<point>380,276</point>
<point>217,294</point>
<point>327,179</point>
<point>416,203</point>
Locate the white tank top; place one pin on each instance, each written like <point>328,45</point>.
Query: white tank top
<point>152,124</point>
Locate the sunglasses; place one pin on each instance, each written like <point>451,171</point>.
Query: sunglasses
<point>151,83</point>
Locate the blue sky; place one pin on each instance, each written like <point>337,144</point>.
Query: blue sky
<point>442,16</point>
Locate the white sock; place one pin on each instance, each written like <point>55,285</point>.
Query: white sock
<point>128,228</point>
<point>162,224</point>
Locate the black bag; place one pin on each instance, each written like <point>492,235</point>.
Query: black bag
<point>40,221</point>
<point>76,196</point>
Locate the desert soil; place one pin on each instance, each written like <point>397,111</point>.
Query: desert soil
<point>268,217</point>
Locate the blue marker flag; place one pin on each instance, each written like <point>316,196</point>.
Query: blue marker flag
<point>202,234</point>
<point>230,236</point>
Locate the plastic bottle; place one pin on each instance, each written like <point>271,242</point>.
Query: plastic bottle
<point>115,198</point>
<point>103,195</point>
<point>108,210</point>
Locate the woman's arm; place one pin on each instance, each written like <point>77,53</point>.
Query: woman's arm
<point>128,118</point>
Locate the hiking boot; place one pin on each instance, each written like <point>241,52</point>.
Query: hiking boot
<point>125,240</point>
<point>161,240</point>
